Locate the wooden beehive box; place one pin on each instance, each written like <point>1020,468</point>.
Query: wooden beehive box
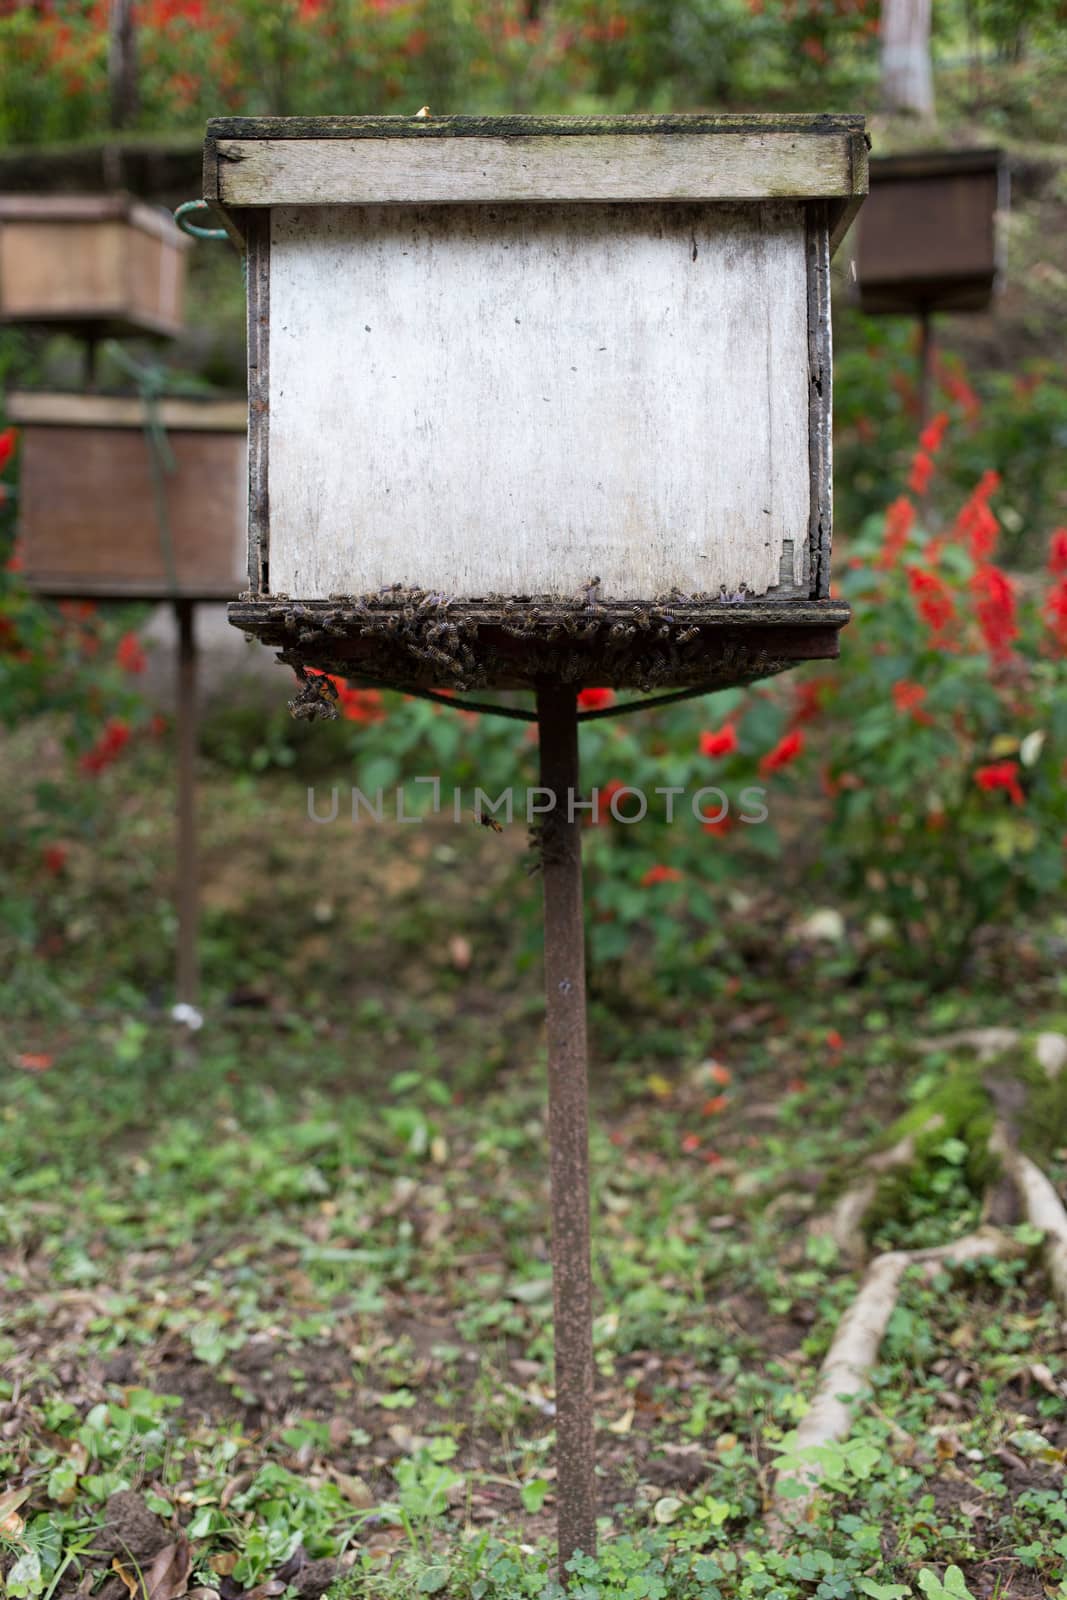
<point>540,397</point>
<point>928,236</point>
<point>103,263</point>
<point>89,521</point>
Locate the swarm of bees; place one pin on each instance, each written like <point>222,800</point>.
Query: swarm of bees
<point>315,699</point>
<point>419,629</point>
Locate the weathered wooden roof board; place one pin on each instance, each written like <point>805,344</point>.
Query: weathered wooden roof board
<point>492,360</point>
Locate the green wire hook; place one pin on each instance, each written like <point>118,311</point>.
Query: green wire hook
<point>181,217</point>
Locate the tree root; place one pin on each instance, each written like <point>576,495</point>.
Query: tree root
<point>854,1351</point>
<point>1042,1206</point>
<point>857,1341</point>
<point>843,1223</point>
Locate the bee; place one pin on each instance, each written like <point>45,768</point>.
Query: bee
<point>687,634</point>
<point>590,630</point>
<point>309,636</point>
<point>621,630</point>
<point>733,599</point>
<point>590,592</point>
<point>641,618</point>
<point>391,588</point>
<point>488,822</point>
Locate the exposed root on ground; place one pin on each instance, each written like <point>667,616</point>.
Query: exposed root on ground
<point>1019,1187</point>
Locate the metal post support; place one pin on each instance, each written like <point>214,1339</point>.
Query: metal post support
<point>188,977</point>
<point>568,1126</point>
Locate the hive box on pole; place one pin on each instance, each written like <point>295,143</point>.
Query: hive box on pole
<point>927,237</point>
<point>540,397</point>
<point>93,485</point>
<point>96,264</point>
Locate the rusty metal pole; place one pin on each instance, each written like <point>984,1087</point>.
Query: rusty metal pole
<point>568,1126</point>
<point>188,977</point>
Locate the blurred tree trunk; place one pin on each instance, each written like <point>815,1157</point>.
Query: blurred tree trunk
<point>907,70</point>
<point>122,64</point>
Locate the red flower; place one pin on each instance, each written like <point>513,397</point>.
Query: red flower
<point>7,446</point>
<point>1057,553</point>
<point>899,520</point>
<point>936,605</point>
<point>54,857</point>
<point>690,1142</point>
<point>719,827</point>
<point>908,698</point>
<point>995,607</point>
<point>712,1107</point>
<point>1001,775</point>
<point>130,655</point>
<point>976,523</point>
<point>834,1040</point>
<point>595,699</point>
<point>808,697</point>
<point>111,743</point>
<point>604,797</point>
<point>786,750</point>
<point>958,389</point>
<point>932,435</point>
<point>660,874</point>
<point>719,741</point>
<point>922,470</point>
<point>1056,613</point>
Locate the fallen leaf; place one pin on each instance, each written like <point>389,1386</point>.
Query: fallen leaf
<point>355,1491</point>
<point>667,1509</point>
<point>33,1063</point>
<point>624,1423</point>
<point>168,1576</point>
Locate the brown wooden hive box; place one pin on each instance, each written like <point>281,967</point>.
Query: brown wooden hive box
<point>88,515</point>
<point>540,397</point>
<point>104,263</point>
<point>927,235</point>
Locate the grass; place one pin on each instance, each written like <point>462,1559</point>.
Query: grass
<point>292,1291</point>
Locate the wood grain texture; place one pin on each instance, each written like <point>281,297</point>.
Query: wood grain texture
<point>111,263</point>
<point>820,402</point>
<point>257,245</point>
<point>79,537</point>
<point>515,400</point>
<point>594,167</point>
<point>125,411</point>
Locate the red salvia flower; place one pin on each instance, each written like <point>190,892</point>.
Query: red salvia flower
<point>7,446</point>
<point>976,523</point>
<point>595,699</point>
<point>899,520</point>
<point>129,655</point>
<point>1056,613</point>
<point>936,605</point>
<point>1001,775</point>
<point>604,798</point>
<point>932,435</point>
<point>994,596</point>
<point>786,750</point>
<point>922,470</point>
<point>660,874</point>
<point>1057,553</point>
<point>719,741</point>
<point>908,699</point>
<point>111,743</point>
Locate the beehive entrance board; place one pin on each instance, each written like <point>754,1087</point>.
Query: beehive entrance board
<point>494,362</point>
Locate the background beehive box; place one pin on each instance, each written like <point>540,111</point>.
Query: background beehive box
<point>88,519</point>
<point>497,359</point>
<point>928,236</point>
<point>105,263</point>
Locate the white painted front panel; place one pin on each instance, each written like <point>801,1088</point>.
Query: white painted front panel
<point>517,399</point>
